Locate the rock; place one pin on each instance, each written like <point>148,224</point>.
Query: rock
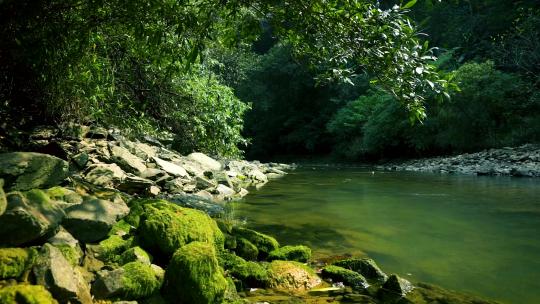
<point>154,190</point>
<point>25,294</point>
<point>251,274</point>
<point>14,262</point>
<point>27,170</point>
<point>135,254</point>
<point>203,183</point>
<point>127,161</point>
<point>167,227</point>
<point>205,195</point>
<point>291,253</point>
<point>73,131</point>
<point>246,249</point>
<point>206,162</point>
<point>257,175</point>
<point>348,277</point>
<point>397,286</point>
<point>68,245</point>
<point>81,159</point>
<point>134,184</point>
<point>3,200</point>
<point>54,272</point>
<point>171,168</point>
<point>225,191</point>
<point>197,202</point>
<point>91,221</point>
<point>133,281</point>
<point>366,267</point>
<point>32,210</point>
<point>95,132</point>
<point>105,175</point>
<point>194,276</point>
<point>110,249</point>
<point>264,243</point>
<point>141,150</point>
<point>65,195</point>
<point>153,174</point>
<point>292,276</point>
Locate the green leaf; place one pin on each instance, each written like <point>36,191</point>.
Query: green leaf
<point>409,4</point>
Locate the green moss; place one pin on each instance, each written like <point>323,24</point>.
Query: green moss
<point>251,274</point>
<point>264,243</point>
<point>230,241</point>
<point>291,275</point>
<point>366,267</point>
<point>15,261</point>
<point>139,281</point>
<point>3,200</point>
<point>348,277</point>
<point>136,210</point>
<point>246,249</point>
<point>72,254</point>
<point>167,227</point>
<point>110,249</point>
<point>120,228</point>
<point>291,253</point>
<point>135,254</point>
<point>194,276</point>
<point>62,194</point>
<point>26,294</point>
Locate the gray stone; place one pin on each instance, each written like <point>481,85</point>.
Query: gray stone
<point>106,175</point>
<point>171,168</point>
<point>203,183</point>
<point>54,272</point>
<point>28,216</point>
<point>206,162</point>
<point>225,191</point>
<point>91,221</point>
<point>141,150</point>
<point>81,159</point>
<point>127,161</point>
<point>134,184</point>
<point>27,170</point>
<point>108,284</point>
<point>153,174</point>
<point>397,285</point>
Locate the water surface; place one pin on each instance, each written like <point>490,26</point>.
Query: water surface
<point>474,234</point>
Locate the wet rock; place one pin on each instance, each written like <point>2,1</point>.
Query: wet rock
<point>292,276</point>
<point>105,175</point>
<point>133,281</point>
<point>366,267</point>
<point>291,253</point>
<point>207,163</point>
<point>127,161</point>
<point>194,276</point>
<point>54,272</point>
<point>32,210</point>
<point>264,243</point>
<point>251,274</point>
<point>28,170</point>
<point>397,286</point>
<point>26,294</point>
<point>348,277</point>
<point>91,221</point>
<point>197,202</point>
<point>170,168</point>
<point>14,262</point>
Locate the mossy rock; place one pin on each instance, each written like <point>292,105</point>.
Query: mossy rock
<point>230,241</point>
<point>264,243</point>
<point>194,276</point>
<point>292,276</point>
<point>365,266</point>
<point>121,228</point>
<point>136,207</point>
<point>139,281</point>
<point>3,200</point>
<point>111,248</point>
<point>246,249</point>
<point>348,277</point>
<point>135,254</point>
<point>299,253</point>
<point>251,274</point>
<point>15,261</point>
<point>166,227</point>
<point>72,254</point>
<point>26,294</point>
<point>63,194</point>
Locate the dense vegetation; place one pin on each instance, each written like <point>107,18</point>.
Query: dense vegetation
<point>353,78</point>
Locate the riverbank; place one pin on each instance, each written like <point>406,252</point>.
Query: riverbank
<point>522,161</point>
<point>89,216</point>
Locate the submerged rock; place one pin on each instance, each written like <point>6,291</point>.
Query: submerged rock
<point>348,277</point>
<point>29,216</point>
<point>366,267</point>
<point>28,170</point>
<point>197,202</point>
<point>264,243</point>
<point>194,276</point>
<point>26,294</point>
<point>397,286</point>
<point>292,276</point>
<point>291,253</point>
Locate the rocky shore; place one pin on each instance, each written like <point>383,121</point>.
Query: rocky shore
<point>523,161</point>
<point>89,216</point>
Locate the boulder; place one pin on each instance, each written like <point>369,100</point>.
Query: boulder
<point>256,175</point>
<point>141,150</point>
<point>54,272</point>
<point>246,249</point>
<point>14,262</point>
<point>397,286</point>
<point>92,220</point>
<point>291,253</point>
<point>26,294</point>
<point>81,159</point>
<point>292,276</point>
<point>346,276</point>
<point>206,162</point>
<point>194,276</point>
<point>110,249</point>
<point>28,170</point>
<point>172,169</point>
<point>154,174</point>
<point>366,267</point>
<point>127,161</point>
<point>225,191</point>
<point>133,281</point>
<point>135,254</point>
<point>167,227</point>
<point>264,243</point>
<point>203,183</point>
<point>68,245</point>
<point>251,274</point>
<point>28,216</point>
<point>105,175</point>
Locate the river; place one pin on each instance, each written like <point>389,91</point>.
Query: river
<point>474,234</point>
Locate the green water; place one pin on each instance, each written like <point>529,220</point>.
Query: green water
<point>479,235</point>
